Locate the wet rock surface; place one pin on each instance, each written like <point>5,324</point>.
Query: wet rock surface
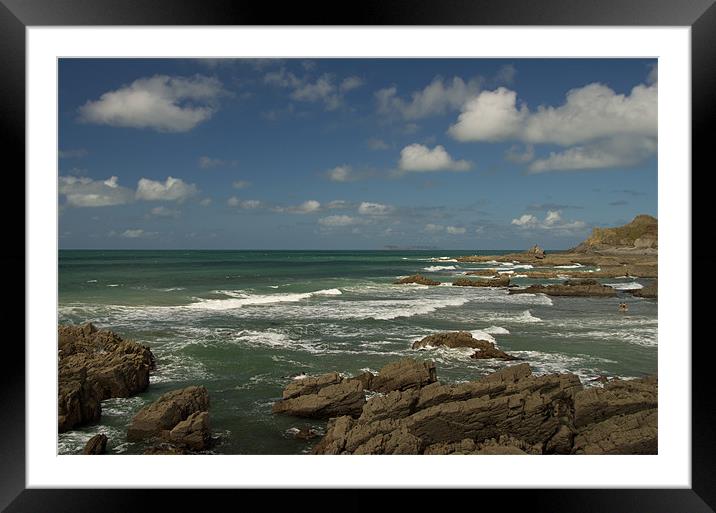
<point>418,279</point>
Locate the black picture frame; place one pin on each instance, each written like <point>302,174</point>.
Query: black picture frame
<point>17,15</point>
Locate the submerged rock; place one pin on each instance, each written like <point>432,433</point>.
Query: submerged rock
<point>649,291</point>
<point>580,288</point>
<point>416,278</point>
<point>95,365</point>
<point>502,281</point>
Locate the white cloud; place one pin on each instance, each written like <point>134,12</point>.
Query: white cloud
<point>589,113</point>
<point>307,207</point>
<point>162,103</point>
<point>419,158</point>
<point>374,209</point>
<point>85,192</point>
<point>173,189</point>
<point>164,212</point>
<point>623,151</point>
<point>209,162</point>
<point>233,201</point>
<point>342,173</point>
<point>137,234</point>
<point>337,204</point>
<point>240,184</point>
<point>520,156</point>
<point>526,220</point>
<point>455,230</point>
<point>350,83</point>
<point>337,221</point>
<point>433,228</point>
<point>205,202</point>
<point>438,97</point>
<point>553,221</point>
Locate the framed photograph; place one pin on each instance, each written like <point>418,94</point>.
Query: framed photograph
<point>413,247</point>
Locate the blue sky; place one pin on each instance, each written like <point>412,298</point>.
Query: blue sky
<point>353,154</point>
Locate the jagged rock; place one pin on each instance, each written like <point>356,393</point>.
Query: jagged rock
<point>617,397</point>
<point>640,234</point>
<point>96,445</point>
<point>366,379</point>
<point>450,339</point>
<point>194,432</point>
<point>310,385</point>
<point>344,398</point>
<point>580,288</point>
<point>167,411</point>
<point>483,272</point>
<point>502,281</point>
<point>304,433</point>
<point>404,374</point>
<point>649,291</point>
<point>95,365</point>
<point>416,278</point>
<point>561,442</point>
<point>635,433</point>
<point>536,252</point>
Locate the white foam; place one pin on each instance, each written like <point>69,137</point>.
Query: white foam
<point>113,285</point>
<point>574,266</point>
<point>483,335</point>
<point>527,316</point>
<point>434,268</point>
<point>497,330</point>
<point>91,281</point>
<point>172,289</point>
<point>505,272</point>
<point>239,299</point>
<point>626,286</point>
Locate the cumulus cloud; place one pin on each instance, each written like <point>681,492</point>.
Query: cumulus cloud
<point>438,97</point>
<point>433,228</point>
<point>240,184</point>
<point>250,204</point>
<point>342,173</point>
<point>520,155</point>
<point>161,102</point>
<point>420,158</point>
<point>307,207</point>
<point>205,202</point>
<point>552,221</point>
<point>374,209</point>
<point>621,152</point>
<point>85,192</point>
<point>233,201</point>
<point>599,127</point>
<point>172,189</point>
<point>323,89</point>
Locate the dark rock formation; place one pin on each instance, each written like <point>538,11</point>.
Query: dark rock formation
<point>502,281</point>
<point>96,445</point>
<point>344,398</point>
<point>508,412</point>
<point>453,339</point>
<point>416,278</point>
<point>95,365</point>
<point>193,433</point>
<point>482,272</point>
<point>404,374</point>
<point>162,416</point>
<point>649,291</point>
<point>581,288</point>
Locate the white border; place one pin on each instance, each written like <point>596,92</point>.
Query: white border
<point>672,467</point>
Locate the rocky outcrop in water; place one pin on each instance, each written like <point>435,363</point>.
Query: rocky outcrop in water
<point>95,365</point>
<point>502,281</point>
<point>416,278</point>
<point>510,411</point>
<point>640,235</point>
<point>580,288</point>
<point>536,252</point>
<point>96,445</point>
<point>456,339</point>
<point>180,417</point>
<point>344,398</point>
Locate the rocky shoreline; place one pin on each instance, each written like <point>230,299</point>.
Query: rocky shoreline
<point>511,411</point>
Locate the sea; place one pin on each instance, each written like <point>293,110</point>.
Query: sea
<point>245,323</point>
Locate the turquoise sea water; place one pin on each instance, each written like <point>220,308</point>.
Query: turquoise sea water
<point>242,323</point>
